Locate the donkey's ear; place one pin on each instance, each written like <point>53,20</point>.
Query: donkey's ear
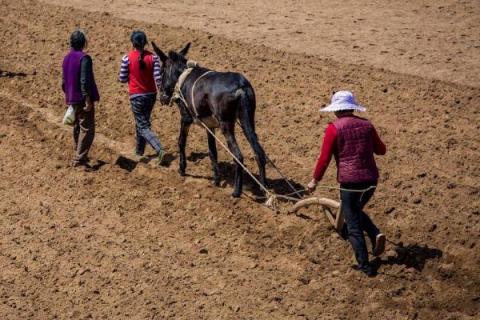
<point>159,52</point>
<point>184,51</point>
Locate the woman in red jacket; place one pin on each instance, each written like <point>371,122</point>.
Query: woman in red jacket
<point>353,141</point>
<point>141,69</point>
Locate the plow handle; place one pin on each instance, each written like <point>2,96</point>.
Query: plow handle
<point>329,206</point>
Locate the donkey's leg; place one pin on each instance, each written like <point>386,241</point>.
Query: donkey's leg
<point>248,127</point>
<point>182,142</point>
<point>228,130</point>
<point>212,151</point>
<point>259,156</point>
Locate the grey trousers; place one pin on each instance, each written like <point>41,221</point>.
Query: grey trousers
<point>142,106</point>
<point>83,133</point>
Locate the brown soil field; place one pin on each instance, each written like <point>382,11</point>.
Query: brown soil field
<point>438,39</point>
<point>133,241</point>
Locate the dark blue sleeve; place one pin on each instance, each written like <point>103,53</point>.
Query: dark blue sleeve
<point>86,75</point>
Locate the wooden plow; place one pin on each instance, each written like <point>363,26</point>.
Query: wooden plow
<point>330,208</point>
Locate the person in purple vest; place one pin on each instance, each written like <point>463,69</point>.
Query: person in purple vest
<point>78,84</point>
<point>353,141</point>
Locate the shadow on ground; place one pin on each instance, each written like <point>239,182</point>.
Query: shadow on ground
<point>126,163</point>
<point>10,74</point>
<point>227,176</point>
<point>98,165</point>
<point>129,164</point>
<point>411,256</point>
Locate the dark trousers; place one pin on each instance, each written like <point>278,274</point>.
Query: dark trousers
<point>142,107</point>
<point>356,220</point>
<point>83,133</point>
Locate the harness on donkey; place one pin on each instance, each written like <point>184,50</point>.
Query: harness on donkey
<point>178,94</point>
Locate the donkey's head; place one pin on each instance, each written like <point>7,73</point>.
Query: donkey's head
<point>172,67</point>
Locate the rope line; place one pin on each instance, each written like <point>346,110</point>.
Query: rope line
<point>235,158</point>
<point>288,196</point>
<point>284,177</point>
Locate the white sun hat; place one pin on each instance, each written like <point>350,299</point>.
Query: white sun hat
<point>343,100</point>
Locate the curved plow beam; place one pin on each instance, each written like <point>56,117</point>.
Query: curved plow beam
<point>329,206</point>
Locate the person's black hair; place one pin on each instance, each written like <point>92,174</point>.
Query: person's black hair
<point>78,40</point>
<point>344,111</point>
<point>139,40</point>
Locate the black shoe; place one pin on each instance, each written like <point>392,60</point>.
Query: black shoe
<point>82,165</point>
<point>368,270</point>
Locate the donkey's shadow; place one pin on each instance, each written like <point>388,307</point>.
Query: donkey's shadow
<point>196,156</point>
<point>227,174</point>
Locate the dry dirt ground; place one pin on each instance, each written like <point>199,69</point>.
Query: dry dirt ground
<point>438,39</point>
<point>130,241</point>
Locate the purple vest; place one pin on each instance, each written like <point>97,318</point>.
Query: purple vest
<point>355,162</point>
<point>71,76</point>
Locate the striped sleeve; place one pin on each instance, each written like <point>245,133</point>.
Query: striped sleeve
<point>157,70</point>
<point>123,75</point>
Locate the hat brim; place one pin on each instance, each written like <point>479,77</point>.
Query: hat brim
<point>343,106</point>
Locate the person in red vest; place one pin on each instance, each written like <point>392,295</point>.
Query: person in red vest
<point>353,141</point>
<point>142,70</point>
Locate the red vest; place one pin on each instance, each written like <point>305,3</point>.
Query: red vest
<point>140,80</point>
<point>355,159</point>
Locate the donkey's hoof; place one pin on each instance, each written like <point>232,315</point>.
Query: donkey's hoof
<point>216,182</point>
<point>181,172</point>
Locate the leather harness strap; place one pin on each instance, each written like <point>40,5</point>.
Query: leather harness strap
<point>193,90</point>
<point>177,93</point>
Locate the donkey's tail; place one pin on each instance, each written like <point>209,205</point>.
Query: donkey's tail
<point>247,106</point>
<point>246,116</point>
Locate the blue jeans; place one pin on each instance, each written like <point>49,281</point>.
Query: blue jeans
<point>142,106</point>
<point>356,220</point>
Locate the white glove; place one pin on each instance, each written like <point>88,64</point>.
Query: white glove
<point>312,185</point>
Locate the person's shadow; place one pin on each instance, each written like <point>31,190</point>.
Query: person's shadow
<point>126,163</point>
<point>98,165</point>
<point>410,256</point>
<point>10,74</point>
<point>168,158</point>
<point>129,164</point>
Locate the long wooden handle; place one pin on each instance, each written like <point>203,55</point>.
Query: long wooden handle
<point>328,205</point>
<point>315,200</point>
<point>304,203</point>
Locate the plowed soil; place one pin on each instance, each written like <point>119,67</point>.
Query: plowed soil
<point>439,39</point>
<point>133,241</point>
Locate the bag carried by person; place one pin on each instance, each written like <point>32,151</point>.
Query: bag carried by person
<point>69,118</point>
